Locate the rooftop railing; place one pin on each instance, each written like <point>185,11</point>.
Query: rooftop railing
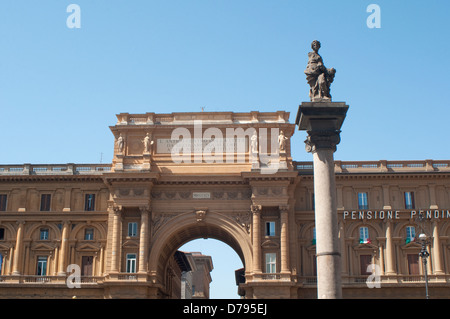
<point>381,166</point>
<point>55,169</point>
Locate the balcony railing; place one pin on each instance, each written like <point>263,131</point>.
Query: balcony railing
<point>33,279</point>
<point>383,279</point>
<point>55,169</point>
<point>380,166</point>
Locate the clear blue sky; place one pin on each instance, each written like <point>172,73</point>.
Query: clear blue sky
<point>60,88</point>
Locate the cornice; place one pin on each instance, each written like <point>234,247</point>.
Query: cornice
<point>278,176</point>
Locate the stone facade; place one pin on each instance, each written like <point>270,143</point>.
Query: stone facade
<point>121,223</point>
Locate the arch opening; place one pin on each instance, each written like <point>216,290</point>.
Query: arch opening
<point>225,262</point>
<point>183,230</point>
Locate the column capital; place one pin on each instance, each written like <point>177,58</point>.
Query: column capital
<point>117,209</point>
<point>322,121</point>
<point>144,209</point>
<point>326,139</point>
<point>256,209</point>
<point>283,208</point>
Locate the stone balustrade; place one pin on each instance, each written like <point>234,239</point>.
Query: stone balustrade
<point>380,166</point>
<point>55,169</point>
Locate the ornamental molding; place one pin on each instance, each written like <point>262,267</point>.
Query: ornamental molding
<point>160,220</point>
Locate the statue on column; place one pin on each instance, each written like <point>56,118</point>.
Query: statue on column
<point>318,76</point>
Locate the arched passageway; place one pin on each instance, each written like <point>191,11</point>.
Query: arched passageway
<point>225,262</point>
<point>184,228</point>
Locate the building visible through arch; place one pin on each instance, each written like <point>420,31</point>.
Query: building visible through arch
<point>229,176</point>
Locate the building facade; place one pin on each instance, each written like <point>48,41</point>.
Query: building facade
<point>195,282</point>
<point>111,230</point>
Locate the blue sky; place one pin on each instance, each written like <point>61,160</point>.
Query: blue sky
<point>60,88</point>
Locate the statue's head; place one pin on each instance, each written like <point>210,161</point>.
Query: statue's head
<point>315,45</point>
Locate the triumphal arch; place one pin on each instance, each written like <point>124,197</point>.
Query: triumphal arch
<point>229,176</point>
<point>219,175</point>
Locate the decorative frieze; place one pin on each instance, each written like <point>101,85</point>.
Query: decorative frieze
<point>194,195</point>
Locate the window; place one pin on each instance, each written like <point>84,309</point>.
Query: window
<point>89,234</point>
<point>45,202</point>
<point>314,236</point>
<point>86,265</point>
<point>362,201</point>
<point>410,234</point>
<point>413,264</point>
<point>364,235</point>
<point>41,266</point>
<point>89,202</point>
<point>132,229</point>
<point>270,228</point>
<point>365,262</point>
<point>409,200</point>
<point>44,234</point>
<point>2,234</point>
<point>313,202</point>
<point>3,198</point>
<point>131,263</point>
<point>271,263</point>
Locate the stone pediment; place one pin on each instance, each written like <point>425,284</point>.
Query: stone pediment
<point>43,246</point>
<point>366,246</point>
<point>88,247</point>
<point>5,246</point>
<point>270,244</point>
<point>412,245</point>
<point>131,243</point>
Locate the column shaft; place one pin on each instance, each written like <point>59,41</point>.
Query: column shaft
<point>436,254</point>
<point>390,270</point>
<point>18,250</point>
<point>284,242</point>
<point>327,241</point>
<point>63,250</point>
<point>115,240</point>
<point>143,240</point>
<point>256,210</point>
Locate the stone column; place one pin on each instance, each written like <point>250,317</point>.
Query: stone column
<point>256,210</point>
<point>284,241</point>
<point>63,251</point>
<point>18,249</point>
<point>143,240</point>
<point>344,267</point>
<point>115,251</point>
<point>436,252</point>
<point>322,121</point>
<point>390,268</point>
